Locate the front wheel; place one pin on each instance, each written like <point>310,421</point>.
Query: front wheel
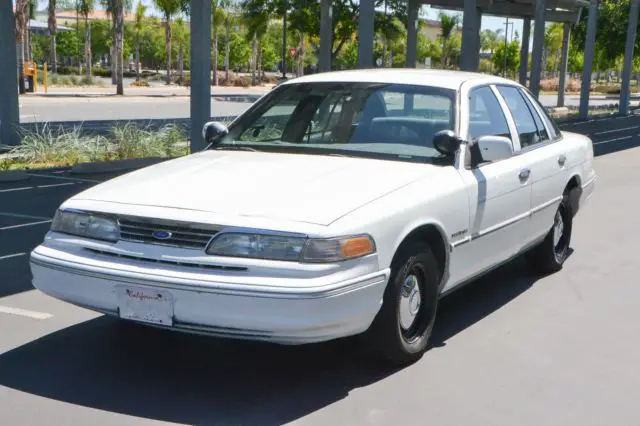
<point>401,330</point>
<point>550,255</point>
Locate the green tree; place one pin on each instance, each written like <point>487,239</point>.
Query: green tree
<point>138,25</point>
<point>169,9</point>
<point>53,27</point>
<point>449,24</point>
<point>506,58</point>
<point>85,7</point>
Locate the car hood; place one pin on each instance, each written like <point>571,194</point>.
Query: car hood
<point>314,189</point>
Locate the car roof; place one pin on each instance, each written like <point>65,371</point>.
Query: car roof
<point>447,79</point>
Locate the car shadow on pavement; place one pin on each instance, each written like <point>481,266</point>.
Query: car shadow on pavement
<point>163,375</point>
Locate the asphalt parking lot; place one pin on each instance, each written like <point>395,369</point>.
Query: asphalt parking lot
<point>510,349</point>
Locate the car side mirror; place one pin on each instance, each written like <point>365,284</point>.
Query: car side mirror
<point>214,130</point>
<point>494,148</point>
<point>446,142</point>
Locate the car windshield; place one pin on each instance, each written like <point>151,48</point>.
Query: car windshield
<point>373,120</point>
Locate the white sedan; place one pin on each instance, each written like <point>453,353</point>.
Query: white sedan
<point>339,204</point>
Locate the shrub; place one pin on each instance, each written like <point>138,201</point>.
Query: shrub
<point>553,84</point>
<point>132,141</point>
<point>141,83</point>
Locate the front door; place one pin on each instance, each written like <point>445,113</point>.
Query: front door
<point>499,195</point>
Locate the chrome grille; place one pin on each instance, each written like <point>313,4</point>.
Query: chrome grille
<point>167,262</point>
<point>183,234</point>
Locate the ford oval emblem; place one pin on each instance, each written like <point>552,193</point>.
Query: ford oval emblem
<point>161,235</point>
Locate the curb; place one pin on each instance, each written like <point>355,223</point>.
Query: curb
<point>116,165</point>
<point>13,176</point>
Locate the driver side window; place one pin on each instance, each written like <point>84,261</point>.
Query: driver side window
<point>486,117</point>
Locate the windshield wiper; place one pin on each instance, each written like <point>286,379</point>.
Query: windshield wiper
<point>236,148</point>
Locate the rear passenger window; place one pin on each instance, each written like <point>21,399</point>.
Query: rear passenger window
<point>486,117</point>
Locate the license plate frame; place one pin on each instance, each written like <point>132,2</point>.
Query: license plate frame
<point>147,305</point>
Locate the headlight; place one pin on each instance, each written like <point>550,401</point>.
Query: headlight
<point>290,248</point>
<point>86,225</point>
<point>259,246</point>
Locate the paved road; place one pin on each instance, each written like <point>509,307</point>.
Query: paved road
<point>80,109</point>
<point>510,349</point>
<point>75,109</point>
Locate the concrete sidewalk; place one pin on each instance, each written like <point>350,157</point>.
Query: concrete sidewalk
<point>158,91</point>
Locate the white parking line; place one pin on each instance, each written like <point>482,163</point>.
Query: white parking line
<point>23,225</point>
<point>24,313</point>
<point>23,216</point>
<point>617,130</point>
<point>11,256</point>
<point>64,178</point>
<point>25,188</point>
<point>613,140</point>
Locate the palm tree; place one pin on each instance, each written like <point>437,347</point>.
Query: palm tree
<point>448,24</point>
<point>53,27</point>
<point>85,8</point>
<point>180,37</point>
<point>141,9</point>
<point>169,8</point>
<point>489,41</point>
<point>118,12</point>
<point>218,18</point>
<point>22,11</point>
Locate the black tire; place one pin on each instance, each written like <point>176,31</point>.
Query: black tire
<point>386,337</point>
<point>549,256</point>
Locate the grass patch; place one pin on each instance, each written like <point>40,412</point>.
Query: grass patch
<point>49,147</point>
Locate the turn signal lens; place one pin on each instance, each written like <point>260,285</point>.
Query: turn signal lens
<point>356,247</point>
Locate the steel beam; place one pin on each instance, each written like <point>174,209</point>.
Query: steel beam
<point>564,63</point>
<point>200,99</point>
<point>632,30</point>
<point>538,45</point>
<point>326,33</point>
<point>9,110</point>
<point>412,34</point>
<point>524,51</point>
<point>366,33</point>
<point>469,35</point>
<point>589,51</point>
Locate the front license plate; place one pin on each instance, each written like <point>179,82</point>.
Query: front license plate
<point>145,305</point>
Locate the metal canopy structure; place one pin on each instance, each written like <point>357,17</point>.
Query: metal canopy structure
<point>540,11</point>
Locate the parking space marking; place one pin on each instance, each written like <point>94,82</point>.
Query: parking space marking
<point>11,256</point>
<point>613,140</point>
<point>64,178</point>
<point>23,225</point>
<point>24,313</point>
<point>617,130</point>
<point>23,216</point>
<point>26,188</point>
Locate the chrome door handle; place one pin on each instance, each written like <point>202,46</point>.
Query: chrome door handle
<point>562,159</point>
<point>524,174</point>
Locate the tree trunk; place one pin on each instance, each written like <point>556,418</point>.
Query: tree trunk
<point>301,56</point>
<point>113,51</point>
<point>181,64</point>
<point>168,48</point>
<point>214,57</point>
<point>53,56</point>
<point>119,31</point>
<point>254,59</point>
<point>87,45</point>
<point>137,57</point>
<point>227,52</point>
<point>27,44</point>
<point>22,7</point>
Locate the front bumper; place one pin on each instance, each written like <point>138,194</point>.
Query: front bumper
<point>279,315</point>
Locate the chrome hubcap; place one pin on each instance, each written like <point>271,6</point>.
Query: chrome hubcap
<point>410,301</point>
<point>558,229</point>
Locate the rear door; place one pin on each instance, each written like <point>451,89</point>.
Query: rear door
<point>541,154</point>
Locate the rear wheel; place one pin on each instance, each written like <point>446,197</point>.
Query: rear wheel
<point>401,330</point>
<point>550,255</point>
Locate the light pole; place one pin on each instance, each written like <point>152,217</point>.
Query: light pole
<point>506,45</point>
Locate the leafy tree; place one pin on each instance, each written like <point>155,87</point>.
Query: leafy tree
<point>449,24</point>
<point>138,24</point>
<point>85,7</point>
<point>506,58</point>
<point>169,9</point>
